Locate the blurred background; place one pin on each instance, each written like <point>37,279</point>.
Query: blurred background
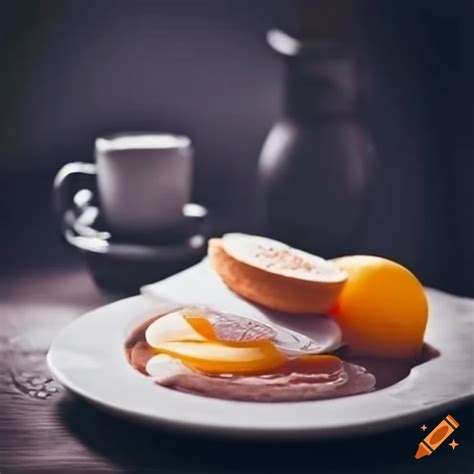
<point>73,70</point>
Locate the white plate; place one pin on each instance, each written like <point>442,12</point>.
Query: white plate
<point>88,358</point>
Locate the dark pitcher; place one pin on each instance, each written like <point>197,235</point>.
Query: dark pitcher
<point>315,166</point>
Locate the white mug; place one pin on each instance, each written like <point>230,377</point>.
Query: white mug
<point>143,181</point>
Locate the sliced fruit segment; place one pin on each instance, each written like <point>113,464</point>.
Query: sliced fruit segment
<point>213,357</point>
<point>202,326</point>
<point>230,328</point>
<point>320,364</point>
<point>171,328</point>
<point>240,330</point>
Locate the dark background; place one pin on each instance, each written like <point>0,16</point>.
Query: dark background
<point>72,70</point>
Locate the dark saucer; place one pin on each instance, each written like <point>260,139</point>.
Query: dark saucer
<point>125,266</point>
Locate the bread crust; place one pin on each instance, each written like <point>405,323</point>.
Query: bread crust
<point>276,292</point>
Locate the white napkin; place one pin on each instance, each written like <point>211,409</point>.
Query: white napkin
<point>200,285</point>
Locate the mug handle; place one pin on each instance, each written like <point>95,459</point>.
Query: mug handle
<point>67,182</point>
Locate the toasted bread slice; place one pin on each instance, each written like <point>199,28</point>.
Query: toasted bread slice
<point>275,275</point>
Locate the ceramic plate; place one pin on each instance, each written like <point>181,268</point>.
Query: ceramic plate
<point>88,358</point>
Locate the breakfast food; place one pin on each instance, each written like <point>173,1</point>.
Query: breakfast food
<point>275,275</point>
<point>218,358</point>
<point>376,306</point>
<point>382,309</point>
<point>198,324</point>
<point>224,356</point>
<point>321,377</point>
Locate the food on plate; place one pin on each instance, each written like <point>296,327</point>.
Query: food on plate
<point>216,357</point>
<point>377,312</point>
<point>174,327</point>
<point>310,379</point>
<point>227,356</point>
<point>382,309</point>
<point>198,324</point>
<point>276,275</point>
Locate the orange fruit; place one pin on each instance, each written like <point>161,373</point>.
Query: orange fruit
<point>382,309</point>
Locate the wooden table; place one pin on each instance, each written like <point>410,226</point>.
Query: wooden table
<point>44,286</point>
